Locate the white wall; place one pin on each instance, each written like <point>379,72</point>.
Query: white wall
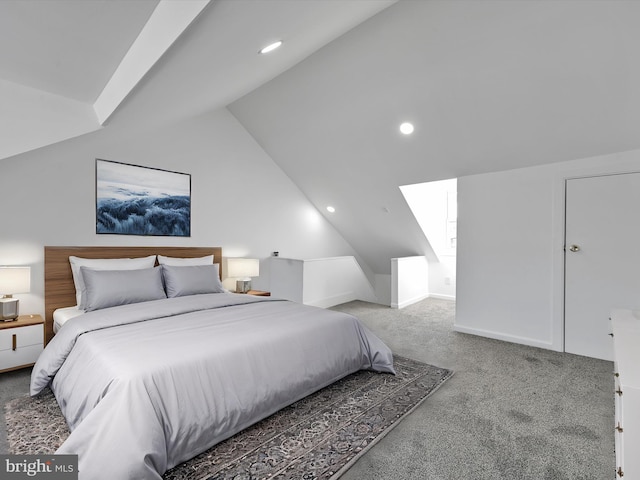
<point>32,118</point>
<point>325,282</point>
<point>510,249</point>
<point>409,280</point>
<point>331,281</point>
<point>322,282</point>
<point>382,286</point>
<point>241,200</point>
<point>442,278</point>
<point>287,278</point>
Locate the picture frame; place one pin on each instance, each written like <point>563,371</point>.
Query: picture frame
<point>137,200</point>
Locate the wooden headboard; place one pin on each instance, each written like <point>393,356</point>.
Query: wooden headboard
<point>59,290</point>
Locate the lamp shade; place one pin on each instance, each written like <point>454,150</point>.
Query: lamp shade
<point>243,267</point>
<point>15,280</point>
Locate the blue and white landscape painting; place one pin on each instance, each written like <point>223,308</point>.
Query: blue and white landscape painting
<point>133,200</point>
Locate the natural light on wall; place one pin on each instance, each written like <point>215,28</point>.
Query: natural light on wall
<point>435,207</point>
<point>434,204</point>
<point>313,219</point>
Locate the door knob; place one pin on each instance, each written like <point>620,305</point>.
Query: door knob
<point>574,248</point>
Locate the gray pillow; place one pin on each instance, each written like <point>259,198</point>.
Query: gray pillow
<point>110,288</point>
<point>104,264</point>
<point>191,280</point>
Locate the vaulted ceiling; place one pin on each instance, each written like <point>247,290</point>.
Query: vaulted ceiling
<point>70,66</point>
<point>489,85</point>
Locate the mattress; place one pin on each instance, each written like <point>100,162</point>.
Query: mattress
<point>62,315</point>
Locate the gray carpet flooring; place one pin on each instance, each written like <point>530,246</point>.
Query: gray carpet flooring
<point>509,412</point>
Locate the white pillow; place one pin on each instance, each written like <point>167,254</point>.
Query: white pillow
<point>183,262</point>
<point>104,264</point>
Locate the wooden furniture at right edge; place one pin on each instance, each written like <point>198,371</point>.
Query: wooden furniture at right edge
<point>626,339</point>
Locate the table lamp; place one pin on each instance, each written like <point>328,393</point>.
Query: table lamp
<point>12,280</point>
<point>243,269</point>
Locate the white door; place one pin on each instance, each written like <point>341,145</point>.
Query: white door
<point>602,259</point>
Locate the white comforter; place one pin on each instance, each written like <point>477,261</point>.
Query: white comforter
<point>144,387</point>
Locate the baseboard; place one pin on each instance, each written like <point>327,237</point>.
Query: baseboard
<point>422,297</point>
<point>411,301</point>
<point>441,296</point>
<point>333,301</point>
<point>504,337</point>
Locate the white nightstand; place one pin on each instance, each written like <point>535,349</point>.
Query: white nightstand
<point>21,342</point>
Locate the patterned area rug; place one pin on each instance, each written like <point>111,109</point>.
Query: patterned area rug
<point>318,437</point>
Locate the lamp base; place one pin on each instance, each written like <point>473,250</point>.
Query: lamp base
<point>243,286</point>
<point>8,309</point>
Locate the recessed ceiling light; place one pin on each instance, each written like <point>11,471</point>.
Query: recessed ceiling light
<point>270,48</point>
<point>330,209</point>
<point>406,128</point>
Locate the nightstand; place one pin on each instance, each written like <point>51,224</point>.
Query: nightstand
<point>21,342</point>
<point>259,293</point>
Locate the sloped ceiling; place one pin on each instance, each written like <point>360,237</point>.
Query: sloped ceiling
<point>57,56</point>
<point>65,54</point>
<point>490,85</point>
<point>66,47</point>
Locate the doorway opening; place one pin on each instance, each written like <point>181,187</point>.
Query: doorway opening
<point>435,207</point>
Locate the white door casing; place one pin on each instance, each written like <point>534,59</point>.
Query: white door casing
<point>602,271</point>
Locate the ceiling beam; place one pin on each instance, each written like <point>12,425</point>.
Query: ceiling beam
<point>167,22</point>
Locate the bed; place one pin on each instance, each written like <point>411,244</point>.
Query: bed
<point>146,385</point>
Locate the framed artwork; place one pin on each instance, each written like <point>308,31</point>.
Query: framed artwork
<point>135,200</point>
